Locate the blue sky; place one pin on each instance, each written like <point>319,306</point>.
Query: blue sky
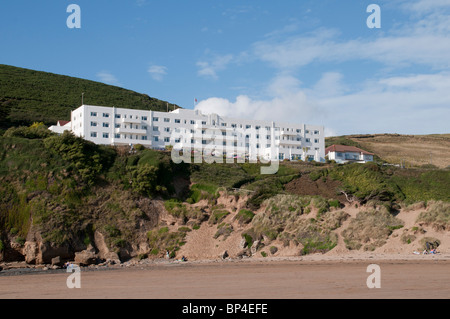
<point>312,61</point>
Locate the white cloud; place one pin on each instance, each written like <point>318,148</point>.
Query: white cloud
<point>157,72</point>
<point>423,45</point>
<point>415,104</point>
<point>287,102</point>
<point>410,103</point>
<point>210,68</point>
<point>107,77</point>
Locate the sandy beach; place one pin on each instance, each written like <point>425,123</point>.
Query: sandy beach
<point>311,277</point>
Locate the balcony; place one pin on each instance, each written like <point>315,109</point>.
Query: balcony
<point>290,142</point>
<point>131,120</point>
<point>122,130</point>
<point>289,133</point>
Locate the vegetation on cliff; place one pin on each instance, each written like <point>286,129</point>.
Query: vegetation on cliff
<point>69,189</point>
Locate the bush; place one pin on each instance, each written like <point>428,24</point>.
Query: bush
<point>437,215</point>
<point>35,131</point>
<point>244,216</point>
<point>218,215</point>
<point>370,229</point>
<point>224,229</point>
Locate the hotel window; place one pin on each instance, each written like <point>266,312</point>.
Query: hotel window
<point>203,122</point>
<point>299,130</point>
<point>177,140</point>
<point>105,135</point>
<point>155,129</point>
<point>299,139</point>
<point>192,122</point>
<point>307,131</point>
<point>267,128</point>
<point>105,124</point>
<point>117,125</point>
<point>93,134</point>
<point>155,138</point>
<point>144,127</point>
<point>224,124</point>
<point>233,125</point>
<point>93,123</point>
<point>224,143</point>
<point>316,140</point>
<point>167,120</point>
<point>144,137</point>
<point>267,145</point>
<point>307,140</point>
<point>93,113</point>
<point>248,126</point>
<point>257,127</point>
<point>155,119</point>
<point>116,135</point>
<point>267,137</point>
<point>105,114</point>
<point>167,129</point>
<point>167,139</point>
<point>144,118</point>
<point>224,133</point>
<point>316,132</point>
<point>117,116</point>
<point>192,141</point>
<point>177,121</point>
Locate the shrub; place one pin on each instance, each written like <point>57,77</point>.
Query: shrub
<point>244,216</point>
<point>370,227</point>
<point>218,215</point>
<point>224,229</point>
<point>437,215</point>
<point>273,250</point>
<point>433,242</point>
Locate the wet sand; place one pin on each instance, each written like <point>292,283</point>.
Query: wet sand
<point>257,279</point>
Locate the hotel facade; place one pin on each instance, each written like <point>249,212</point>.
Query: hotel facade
<point>186,129</point>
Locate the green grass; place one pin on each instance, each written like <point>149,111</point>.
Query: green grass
<point>244,216</point>
<point>28,96</point>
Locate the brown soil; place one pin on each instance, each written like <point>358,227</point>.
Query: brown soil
<point>305,186</point>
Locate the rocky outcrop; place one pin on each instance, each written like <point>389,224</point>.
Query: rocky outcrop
<point>86,257</point>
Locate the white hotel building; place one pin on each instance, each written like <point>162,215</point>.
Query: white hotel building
<point>184,128</point>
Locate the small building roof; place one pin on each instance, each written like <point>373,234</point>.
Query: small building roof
<point>346,149</point>
<point>62,123</point>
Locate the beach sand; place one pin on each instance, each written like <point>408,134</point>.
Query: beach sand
<point>316,276</point>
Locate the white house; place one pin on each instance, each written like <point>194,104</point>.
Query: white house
<point>61,126</point>
<point>345,154</point>
<point>190,128</point>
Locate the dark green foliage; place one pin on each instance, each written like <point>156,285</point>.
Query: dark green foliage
<point>83,157</point>
<point>37,130</point>
<point>27,96</point>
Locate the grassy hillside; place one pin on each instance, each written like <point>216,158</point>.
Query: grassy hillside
<point>67,189</point>
<point>28,96</point>
<point>412,150</point>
